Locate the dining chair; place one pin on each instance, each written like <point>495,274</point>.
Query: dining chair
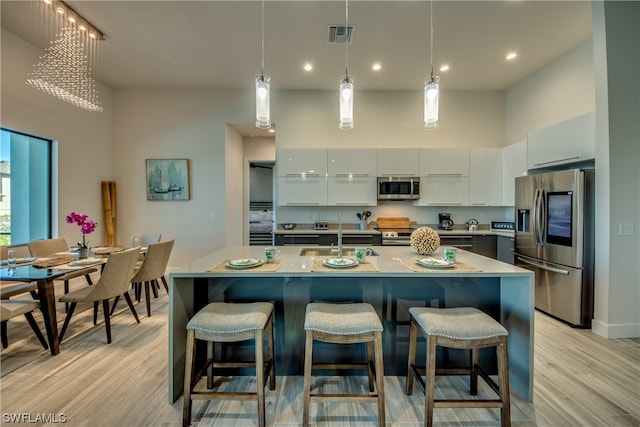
<point>114,281</point>
<point>151,270</point>
<point>49,247</point>
<point>11,308</point>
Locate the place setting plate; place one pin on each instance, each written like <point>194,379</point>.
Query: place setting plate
<point>4,263</point>
<point>86,261</point>
<point>243,263</point>
<point>340,262</point>
<point>430,262</point>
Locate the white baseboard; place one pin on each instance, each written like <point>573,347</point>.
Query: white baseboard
<point>623,330</point>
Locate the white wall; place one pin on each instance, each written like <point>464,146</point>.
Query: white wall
<point>309,119</point>
<point>563,89</point>
<point>84,155</point>
<point>617,55</point>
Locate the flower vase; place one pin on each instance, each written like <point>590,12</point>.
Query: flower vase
<point>83,253</point>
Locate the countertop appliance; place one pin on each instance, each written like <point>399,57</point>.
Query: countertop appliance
<point>444,221</point>
<point>395,231</point>
<point>555,239</point>
<point>398,188</point>
<point>321,225</point>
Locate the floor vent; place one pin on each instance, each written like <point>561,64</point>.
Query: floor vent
<point>340,34</point>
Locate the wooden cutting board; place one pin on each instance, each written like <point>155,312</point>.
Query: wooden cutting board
<point>398,222</point>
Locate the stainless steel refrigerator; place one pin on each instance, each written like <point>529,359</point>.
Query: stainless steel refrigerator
<point>555,239</point>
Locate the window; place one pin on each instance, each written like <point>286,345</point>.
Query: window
<point>25,188</point>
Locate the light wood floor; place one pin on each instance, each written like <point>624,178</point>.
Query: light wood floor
<point>580,380</point>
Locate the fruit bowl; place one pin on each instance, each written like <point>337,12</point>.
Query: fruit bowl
<point>288,226</point>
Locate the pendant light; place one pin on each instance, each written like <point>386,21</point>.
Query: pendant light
<point>346,84</point>
<point>431,86</point>
<point>263,115</point>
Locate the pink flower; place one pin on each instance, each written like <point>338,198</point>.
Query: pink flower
<point>86,225</point>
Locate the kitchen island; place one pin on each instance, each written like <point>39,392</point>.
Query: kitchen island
<point>502,290</point>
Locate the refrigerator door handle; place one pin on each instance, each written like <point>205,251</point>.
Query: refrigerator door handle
<point>536,218</point>
<point>544,267</point>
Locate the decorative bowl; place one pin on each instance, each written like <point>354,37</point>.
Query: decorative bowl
<point>288,226</point>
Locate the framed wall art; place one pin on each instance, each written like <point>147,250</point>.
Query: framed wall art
<point>167,179</point>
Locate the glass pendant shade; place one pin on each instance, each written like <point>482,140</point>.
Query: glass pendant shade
<point>431,99</point>
<point>346,103</point>
<point>263,115</point>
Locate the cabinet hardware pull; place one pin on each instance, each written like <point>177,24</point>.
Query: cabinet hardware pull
<point>455,237</point>
<point>444,174</point>
<point>352,175</point>
<point>303,174</point>
<point>398,174</point>
<point>444,203</point>
<point>302,204</point>
<point>556,161</point>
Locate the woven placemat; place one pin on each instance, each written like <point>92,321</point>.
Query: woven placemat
<point>318,266</point>
<point>52,262</point>
<point>459,266</point>
<point>266,267</point>
<point>106,250</point>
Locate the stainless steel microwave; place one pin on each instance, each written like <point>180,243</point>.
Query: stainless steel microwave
<point>398,188</point>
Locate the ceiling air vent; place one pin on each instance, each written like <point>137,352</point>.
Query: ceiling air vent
<point>340,34</point>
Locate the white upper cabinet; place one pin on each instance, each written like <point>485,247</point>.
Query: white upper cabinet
<point>485,177</point>
<point>352,162</point>
<point>302,191</point>
<point>398,161</point>
<point>302,161</point>
<point>569,141</point>
<point>444,161</point>
<point>352,191</point>
<point>514,164</point>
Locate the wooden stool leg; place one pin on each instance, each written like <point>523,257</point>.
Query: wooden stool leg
<point>308,349</point>
<point>188,374</point>
<point>473,375</point>
<point>431,380</point>
<point>370,366</point>
<point>413,336</point>
<point>271,355</point>
<point>380,379</point>
<point>259,346</point>
<point>503,380</point>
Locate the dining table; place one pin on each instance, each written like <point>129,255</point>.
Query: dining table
<point>44,278</point>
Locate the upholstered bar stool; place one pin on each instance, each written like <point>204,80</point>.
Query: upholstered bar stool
<point>229,322</point>
<point>344,324</point>
<point>463,328</point>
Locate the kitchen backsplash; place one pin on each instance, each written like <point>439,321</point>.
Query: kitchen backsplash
<point>420,214</point>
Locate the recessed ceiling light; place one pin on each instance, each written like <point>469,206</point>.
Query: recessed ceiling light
<point>60,10</point>
<point>445,67</point>
<point>308,66</point>
<point>376,66</point>
<point>511,56</point>
<point>272,130</point>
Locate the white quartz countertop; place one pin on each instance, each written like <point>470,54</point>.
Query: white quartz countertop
<point>387,263</point>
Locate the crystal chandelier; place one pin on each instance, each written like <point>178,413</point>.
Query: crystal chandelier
<point>65,70</point>
<point>263,114</point>
<point>431,85</point>
<point>346,84</point>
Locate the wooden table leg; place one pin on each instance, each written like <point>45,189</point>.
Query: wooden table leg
<point>48,307</point>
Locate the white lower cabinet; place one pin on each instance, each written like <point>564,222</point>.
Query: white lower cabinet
<point>298,191</point>
<point>356,191</point>
<point>440,190</point>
